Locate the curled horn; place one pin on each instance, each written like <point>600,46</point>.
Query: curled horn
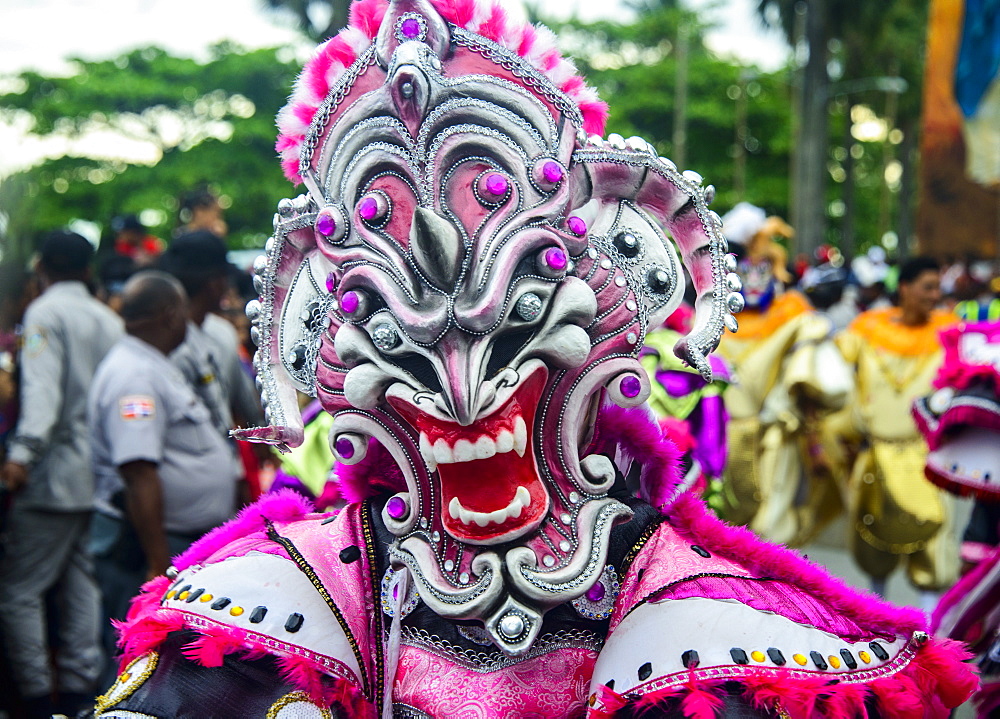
<point>630,171</point>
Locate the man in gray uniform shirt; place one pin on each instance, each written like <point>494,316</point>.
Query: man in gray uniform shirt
<point>67,333</point>
<point>163,471</point>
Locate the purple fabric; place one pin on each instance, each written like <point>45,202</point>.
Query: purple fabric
<point>708,425</point>
<point>770,596</point>
<point>679,384</point>
<point>283,480</point>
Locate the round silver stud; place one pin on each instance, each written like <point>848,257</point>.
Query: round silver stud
<point>592,253</point>
<point>631,338</point>
<point>620,281</point>
<point>260,264</point>
<point>733,282</point>
<point>729,262</point>
<point>732,324</point>
<point>548,560</point>
<point>709,194</point>
<point>692,177</point>
<point>631,306</point>
<point>448,565</point>
<point>464,578</point>
<point>735,302</point>
<point>406,89</point>
<point>564,545</point>
<point>511,626</point>
<point>529,306</point>
<point>605,264</point>
<point>253,310</point>
<point>436,536</point>
<point>940,400</point>
<point>574,497</point>
<point>286,207</point>
<point>255,336</point>
<point>385,337</point>
<point>565,519</point>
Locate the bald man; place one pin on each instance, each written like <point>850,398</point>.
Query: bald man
<point>165,476</point>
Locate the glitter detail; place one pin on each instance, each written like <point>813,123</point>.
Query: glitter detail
<point>344,447</point>
<point>577,226</point>
<point>552,172</point>
<point>630,386</point>
<point>529,306</point>
<point>385,337</point>
<point>555,258</point>
<point>396,508</point>
<point>368,208</point>
<point>325,224</point>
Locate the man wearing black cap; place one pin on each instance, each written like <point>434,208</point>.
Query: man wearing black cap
<point>209,358</point>
<point>67,333</point>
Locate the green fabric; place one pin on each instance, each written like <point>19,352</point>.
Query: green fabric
<point>312,460</point>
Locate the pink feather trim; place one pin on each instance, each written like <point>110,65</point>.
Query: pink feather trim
<point>283,506</point>
<point>487,18</point>
<point>738,544</point>
<point>936,680</point>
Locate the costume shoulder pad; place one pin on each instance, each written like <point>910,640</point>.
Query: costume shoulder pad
<point>693,618</point>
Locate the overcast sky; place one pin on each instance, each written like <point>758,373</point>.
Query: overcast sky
<point>41,34</point>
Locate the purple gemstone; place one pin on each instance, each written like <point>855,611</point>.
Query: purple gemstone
<point>596,593</point>
<point>395,592</point>
<point>396,508</point>
<point>344,448</point>
<point>410,27</point>
<point>350,302</point>
<point>577,226</point>
<point>368,208</point>
<point>552,172</point>
<point>325,224</point>
<point>331,283</point>
<point>496,184</point>
<point>630,386</point>
<point>555,258</point>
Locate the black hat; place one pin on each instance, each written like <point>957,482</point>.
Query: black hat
<point>199,250</point>
<point>65,252</point>
<point>127,222</point>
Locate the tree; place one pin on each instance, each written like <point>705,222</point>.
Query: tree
<point>198,122</point>
<point>731,110</point>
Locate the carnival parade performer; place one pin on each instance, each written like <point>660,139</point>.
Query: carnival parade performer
<point>789,379</point>
<point>465,285</point>
<point>896,518</point>
<point>961,421</point>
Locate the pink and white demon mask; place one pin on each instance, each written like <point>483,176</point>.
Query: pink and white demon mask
<point>467,279</point>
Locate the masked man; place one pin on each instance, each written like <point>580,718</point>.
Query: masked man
<point>465,285</point>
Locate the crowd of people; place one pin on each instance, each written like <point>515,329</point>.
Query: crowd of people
<point>118,389</point>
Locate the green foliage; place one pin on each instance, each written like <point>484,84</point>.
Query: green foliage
<point>635,68</point>
<point>209,122</point>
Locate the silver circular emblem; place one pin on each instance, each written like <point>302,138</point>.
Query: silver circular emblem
<point>385,337</point>
<point>511,626</point>
<point>529,306</point>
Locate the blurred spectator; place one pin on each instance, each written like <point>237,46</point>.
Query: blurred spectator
<point>133,240</point>
<point>157,458</point>
<point>17,289</point>
<point>67,333</point>
<point>898,518</point>
<point>200,210</point>
<point>112,274</point>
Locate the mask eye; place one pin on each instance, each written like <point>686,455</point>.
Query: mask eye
<point>528,306</point>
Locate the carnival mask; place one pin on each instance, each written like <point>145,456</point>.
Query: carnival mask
<point>467,279</point>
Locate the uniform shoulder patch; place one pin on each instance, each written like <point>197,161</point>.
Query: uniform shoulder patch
<point>137,406</point>
<point>35,340</point>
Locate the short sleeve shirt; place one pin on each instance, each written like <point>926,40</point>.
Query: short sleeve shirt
<point>141,408</point>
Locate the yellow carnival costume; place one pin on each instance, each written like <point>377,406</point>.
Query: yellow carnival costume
<point>789,375</point>
<point>895,511</point>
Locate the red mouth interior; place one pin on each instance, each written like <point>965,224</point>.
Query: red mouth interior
<point>487,485</point>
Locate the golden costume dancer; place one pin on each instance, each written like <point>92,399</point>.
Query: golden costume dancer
<point>896,514</point>
<point>789,376</point>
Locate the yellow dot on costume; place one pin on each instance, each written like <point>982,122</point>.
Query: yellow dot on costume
<point>758,656</point>
<point>865,657</point>
<point>800,659</point>
<point>834,661</point>
<point>124,677</point>
<point>205,598</point>
<point>183,595</point>
<point>236,611</point>
<point>171,594</point>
